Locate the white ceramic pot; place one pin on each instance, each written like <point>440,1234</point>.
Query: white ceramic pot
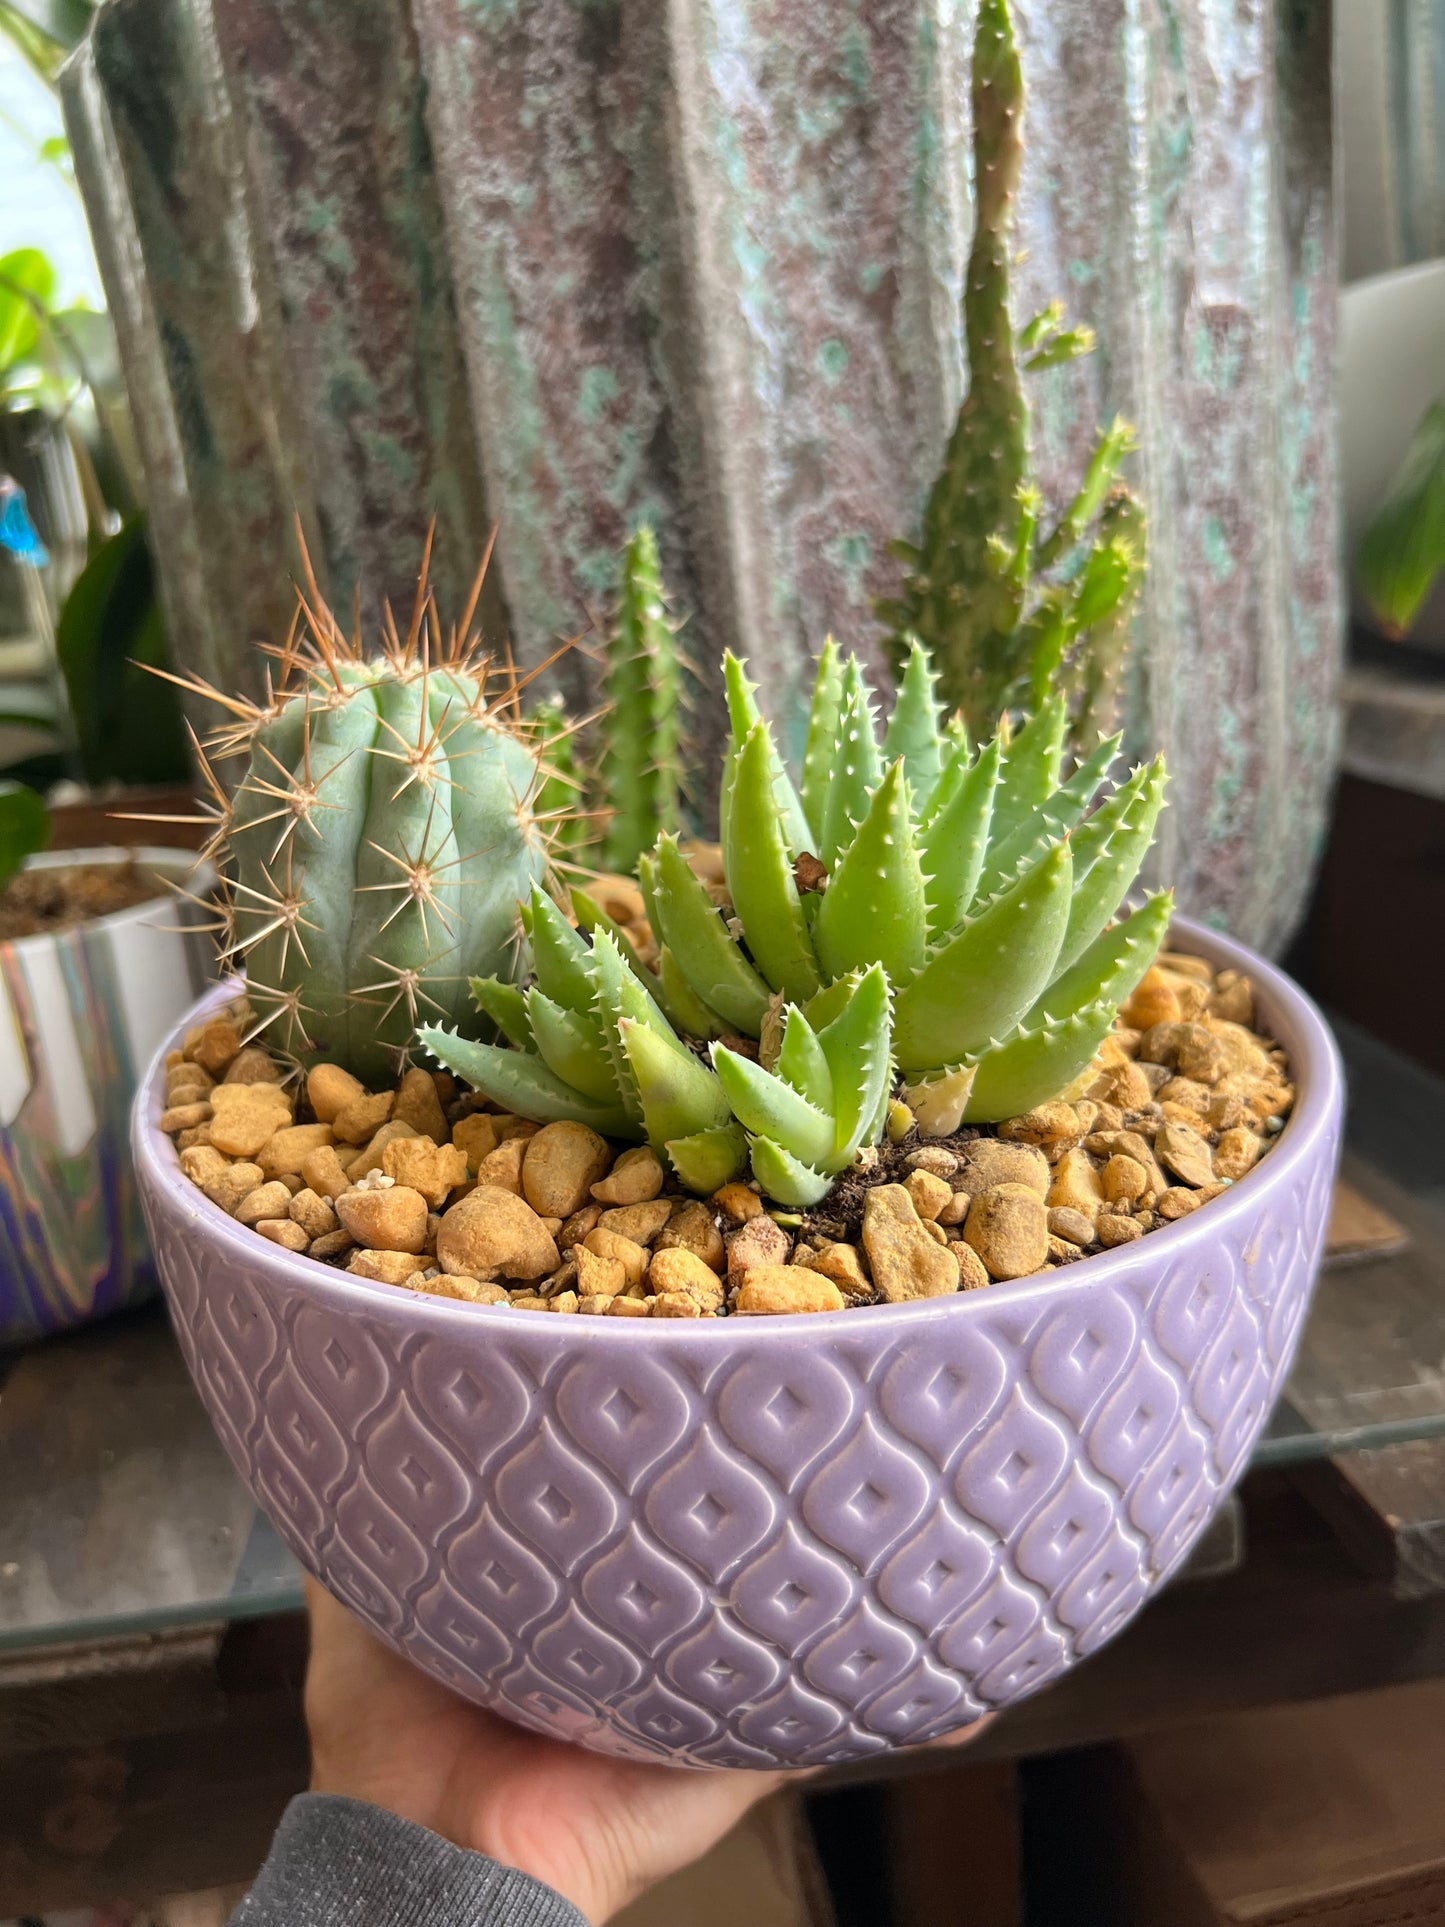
<point>81,1014</point>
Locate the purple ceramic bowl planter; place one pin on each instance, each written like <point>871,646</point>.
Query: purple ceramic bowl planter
<point>761,1541</point>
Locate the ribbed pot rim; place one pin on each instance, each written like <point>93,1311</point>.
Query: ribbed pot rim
<point>1289,1015</point>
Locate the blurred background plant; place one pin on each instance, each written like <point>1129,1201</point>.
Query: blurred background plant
<point>1402,551</point>
<point>78,608</point>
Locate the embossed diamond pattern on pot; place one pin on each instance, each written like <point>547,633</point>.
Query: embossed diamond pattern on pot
<point>708,1507</point>
<point>938,1569</point>
<point>721,1667</point>
<point>645,1596</point>
<point>784,1418</point>
<point>928,1700</point>
<point>937,1389</point>
<point>625,1425</point>
<point>757,1542</point>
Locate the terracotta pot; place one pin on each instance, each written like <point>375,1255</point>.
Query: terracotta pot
<point>760,1541</point>
<point>81,1013</point>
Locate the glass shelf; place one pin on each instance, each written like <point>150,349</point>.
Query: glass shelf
<point>120,1513</point>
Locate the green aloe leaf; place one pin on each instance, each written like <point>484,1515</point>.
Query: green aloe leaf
<point>802,1062</point>
<point>692,928</point>
<point>824,720</point>
<point>708,1159</point>
<point>956,839</point>
<point>506,1006</point>
<point>978,986</point>
<point>764,1104</point>
<point>685,1008</point>
<point>744,716</point>
<point>560,958</point>
<point>958,759</point>
<point>679,1095</point>
<point>787,1179</point>
<point>571,1044</point>
<point>1031,767</point>
<point>1110,970</point>
<point>1056,815</point>
<point>760,875</point>
<point>1035,1065</point>
<point>591,917</point>
<point>618,997</point>
<point>874,906</point>
<point>913,731</point>
<point>857,1046</point>
<point>1108,851</point>
<point>857,766</point>
<point>521,1083</point>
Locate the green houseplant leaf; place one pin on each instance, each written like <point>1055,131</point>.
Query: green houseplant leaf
<point>110,635</point>
<point>24,827</point>
<point>27,288</point>
<point>1403,549</point>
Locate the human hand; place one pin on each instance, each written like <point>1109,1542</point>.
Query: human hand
<point>598,1830</point>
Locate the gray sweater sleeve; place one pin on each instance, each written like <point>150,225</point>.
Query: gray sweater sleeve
<point>341,1863</point>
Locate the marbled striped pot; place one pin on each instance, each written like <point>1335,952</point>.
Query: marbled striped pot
<point>81,1014</point>
<point>760,1541</point>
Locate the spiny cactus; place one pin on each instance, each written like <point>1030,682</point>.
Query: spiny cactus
<point>560,802</point>
<point>1000,603</point>
<point>980,882</point>
<point>639,774</point>
<point>591,1043</point>
<point>381,836</point>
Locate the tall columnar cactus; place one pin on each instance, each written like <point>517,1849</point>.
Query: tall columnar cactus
<point>983,883</point>
<point>639,776</point>
<point>381,837</point>
<point>999,602</point>
<point>560,804</point>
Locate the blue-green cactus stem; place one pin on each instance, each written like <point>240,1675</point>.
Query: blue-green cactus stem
<point>382,834</point>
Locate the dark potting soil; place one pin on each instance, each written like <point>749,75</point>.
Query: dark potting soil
<point>38,902</point>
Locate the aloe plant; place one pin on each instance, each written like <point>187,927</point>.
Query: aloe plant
<point>912,904</point>
<point>983,882</point>
<point>826,1094</point>
<point>1008,608</point>
<point>591,1042</point>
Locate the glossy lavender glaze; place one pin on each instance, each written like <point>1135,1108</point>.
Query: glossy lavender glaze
<point>771,1541</point>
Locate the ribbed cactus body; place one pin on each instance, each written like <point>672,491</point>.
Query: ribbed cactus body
<point>381,838</point>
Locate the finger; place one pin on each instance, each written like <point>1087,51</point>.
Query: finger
<point>960,1736</point>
